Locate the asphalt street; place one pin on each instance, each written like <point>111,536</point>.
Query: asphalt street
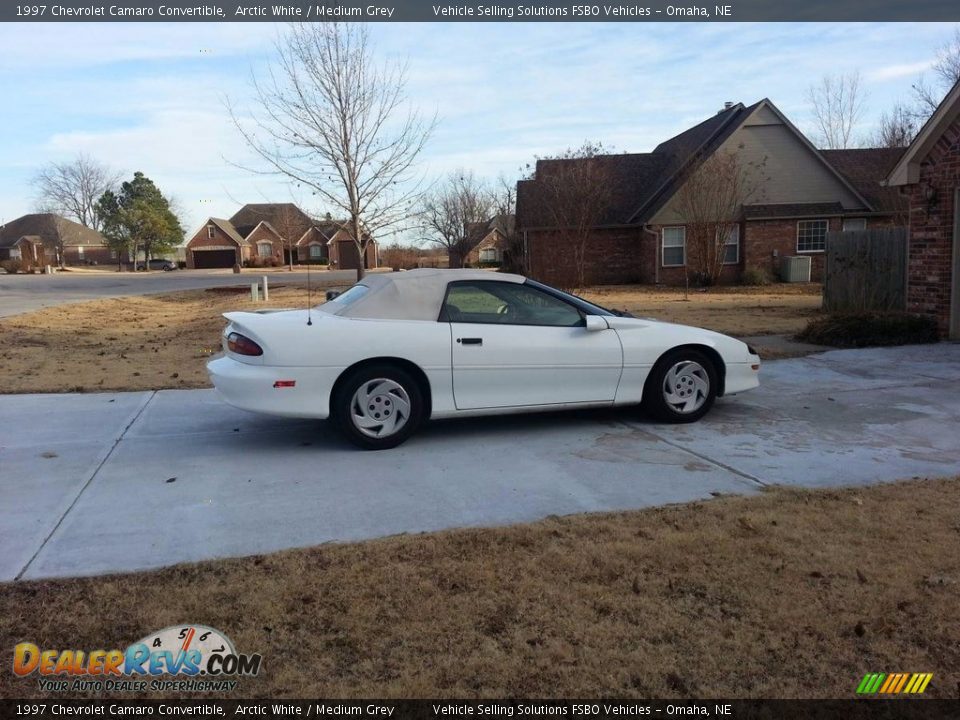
<point>106,483</point>
<point>24,293</point>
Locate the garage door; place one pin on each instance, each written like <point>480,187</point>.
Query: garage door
<point>349,257</point>
<point>214,258</point>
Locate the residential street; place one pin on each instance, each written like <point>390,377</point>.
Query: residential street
<point>115,482</point>
<point>24,293</point>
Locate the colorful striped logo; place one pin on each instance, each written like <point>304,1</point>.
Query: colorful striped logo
<point>894,683</point>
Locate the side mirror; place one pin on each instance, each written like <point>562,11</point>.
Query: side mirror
<point>595,323</point>
<point>331,294</point>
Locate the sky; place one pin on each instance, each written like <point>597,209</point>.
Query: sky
<point>153,97</point>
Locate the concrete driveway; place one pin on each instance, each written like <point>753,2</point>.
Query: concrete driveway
<point>113,482</point>
<point>25,293</point>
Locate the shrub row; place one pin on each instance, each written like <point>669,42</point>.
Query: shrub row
<point>870,329</point>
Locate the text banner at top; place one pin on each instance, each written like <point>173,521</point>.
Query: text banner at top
<point>435,11</point>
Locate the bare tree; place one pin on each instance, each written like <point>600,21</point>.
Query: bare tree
<point>289,225</point>
<point>710,201</point>
<point>57,229</point>
<point>838,105</point>
<point>332,119</point>
<point>573,191</point>
<point>453,213</point>
<point>72,188</point>
<point>896,128</point>
<point>946,73</point>
<point>400,257</point>
<point>506,207</point>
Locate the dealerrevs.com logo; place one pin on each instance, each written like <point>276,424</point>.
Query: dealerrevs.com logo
<point>189,657</point>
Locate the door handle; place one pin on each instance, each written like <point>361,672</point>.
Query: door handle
<point>470,341</point>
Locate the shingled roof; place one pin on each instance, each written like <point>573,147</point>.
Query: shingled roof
<point>639,184</point>
<point>864,168</point>
<point>47,226</point>
<point>279,215</point>
<point>765,211</point>
<point>229,229</point>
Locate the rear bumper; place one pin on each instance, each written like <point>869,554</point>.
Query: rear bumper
<point>251,387</point>
<point>741,376</point>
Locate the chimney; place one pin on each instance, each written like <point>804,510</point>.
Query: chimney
<point>727,105</point>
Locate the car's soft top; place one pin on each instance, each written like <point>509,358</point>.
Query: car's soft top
<point>411,295</point>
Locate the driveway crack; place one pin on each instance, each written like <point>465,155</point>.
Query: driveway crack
<point>701,456</point>
<point>87,483</point>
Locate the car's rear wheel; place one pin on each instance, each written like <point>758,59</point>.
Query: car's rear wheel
<point>682,387</point>
<point>378,406</point>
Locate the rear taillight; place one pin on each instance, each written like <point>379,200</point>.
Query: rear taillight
<point>242,345</point>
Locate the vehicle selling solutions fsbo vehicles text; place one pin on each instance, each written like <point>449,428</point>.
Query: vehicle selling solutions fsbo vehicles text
<point>575,11</point>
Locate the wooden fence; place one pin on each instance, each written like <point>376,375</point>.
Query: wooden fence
<point>865,270</point>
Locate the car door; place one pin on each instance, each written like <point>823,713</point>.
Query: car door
<point>514,345</point>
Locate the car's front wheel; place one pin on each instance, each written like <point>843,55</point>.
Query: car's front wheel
<point>682,387</point>
<point>378,407</point>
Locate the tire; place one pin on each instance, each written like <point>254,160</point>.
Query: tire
<point>378,407</point>
<point>692,387</point>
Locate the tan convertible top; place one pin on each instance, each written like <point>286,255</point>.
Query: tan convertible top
<point>411,295</point>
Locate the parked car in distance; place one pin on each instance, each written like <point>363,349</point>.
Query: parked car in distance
<point>396,349</point>
<point>161,264</point>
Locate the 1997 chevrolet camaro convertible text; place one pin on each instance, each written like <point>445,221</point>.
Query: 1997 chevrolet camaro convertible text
<point>396,349</point>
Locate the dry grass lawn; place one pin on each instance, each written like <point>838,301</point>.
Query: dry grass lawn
<point>734,310</point>
<point>145,342</point>
<point>163,341</point>
<point>786,594</point>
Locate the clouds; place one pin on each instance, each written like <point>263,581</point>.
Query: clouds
<point>150,96</point>
<point>902,70</point>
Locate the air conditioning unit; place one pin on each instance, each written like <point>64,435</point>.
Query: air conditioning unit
<point>795,268</point>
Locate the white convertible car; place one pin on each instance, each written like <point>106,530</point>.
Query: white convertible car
<point>397,349</point>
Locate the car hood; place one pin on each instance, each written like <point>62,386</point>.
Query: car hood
<point>730,348</point>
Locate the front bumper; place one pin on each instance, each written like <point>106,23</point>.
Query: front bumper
<point>252,387</point>
<point>741,377</point>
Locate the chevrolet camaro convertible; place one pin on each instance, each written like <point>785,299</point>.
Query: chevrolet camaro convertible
<point>396,349</point>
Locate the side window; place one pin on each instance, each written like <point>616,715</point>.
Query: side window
<point>505,303</point>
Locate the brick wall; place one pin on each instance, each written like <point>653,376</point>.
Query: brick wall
<point>99,255</point>
<point>929,267</point>
<point>220,238</point>
<point>612,257</point>
<point>628,255</point>
<point>261,234</point>
<point>762,237</point>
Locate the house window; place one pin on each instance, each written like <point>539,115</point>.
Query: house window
<point>674,246</point>
<point>80,252</point>
<point>15,253</point>
<point>488,255</point>
<point>264,249</point>
<point>812,235</point>
<point>854,224</point>
<point>731,246</point>
<point>210,231</point>
<point>316,252</point>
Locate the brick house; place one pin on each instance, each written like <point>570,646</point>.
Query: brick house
<point>490,242</point>
<point>267,233</point>
<point>928,175</point>
<point>640,234</point>
<point>28,250</point>
<point>81,245</point>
